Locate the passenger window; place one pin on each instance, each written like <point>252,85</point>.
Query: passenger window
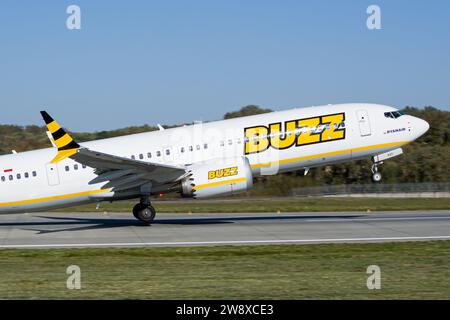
<point>133,157</point>
<point>18,176</point>
<point>34,174</point>
<point>239,141</point>
<point>83,166</point>
<point>158,153</point>
<point>167,152</point>
<point>149,155</point>
<point>230,142</point>
<point>182,149</point>
<point>67,168</point>
<point>141,156</point>
<point>191,148</point>
<point>75,167</point>
<point>222,143</point>
<point>11,178</point>
<point>198,147</point>
<point>3,179</point>
<point>27,175</point>
<point>205,146</point>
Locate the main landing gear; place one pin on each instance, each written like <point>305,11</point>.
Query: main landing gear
<point>144,211</point>
<point>376,175</point>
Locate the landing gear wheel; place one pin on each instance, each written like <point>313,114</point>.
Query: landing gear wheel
<point>376,177</point>
<point>143,212</point>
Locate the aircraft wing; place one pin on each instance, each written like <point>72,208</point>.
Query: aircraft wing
<point>119,173</point>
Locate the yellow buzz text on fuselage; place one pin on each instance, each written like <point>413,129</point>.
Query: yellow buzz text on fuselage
<point>295,133</point>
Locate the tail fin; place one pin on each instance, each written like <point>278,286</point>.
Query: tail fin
<point>64,142</point>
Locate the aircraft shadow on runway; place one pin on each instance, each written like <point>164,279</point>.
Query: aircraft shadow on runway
<point>82,224</point>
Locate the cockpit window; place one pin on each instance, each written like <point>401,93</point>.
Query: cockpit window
<point>394,115</point>
<point>397,114</point>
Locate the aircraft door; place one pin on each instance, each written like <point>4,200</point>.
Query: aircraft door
<point>52,174</point>
<point>363,122</point>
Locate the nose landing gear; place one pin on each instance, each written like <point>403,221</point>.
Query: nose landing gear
<point>144,211</point>
<point>376,175</point>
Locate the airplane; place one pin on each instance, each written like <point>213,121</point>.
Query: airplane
<point>201,160</point>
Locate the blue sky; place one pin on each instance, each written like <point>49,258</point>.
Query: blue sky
<point>137,62</point>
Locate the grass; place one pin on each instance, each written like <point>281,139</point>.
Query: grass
<point>316,204</point>
<point>409,270</point>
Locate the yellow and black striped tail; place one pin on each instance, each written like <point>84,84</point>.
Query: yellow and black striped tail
<point>63,141</point>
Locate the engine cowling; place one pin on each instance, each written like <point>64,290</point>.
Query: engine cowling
<point>217,177</point>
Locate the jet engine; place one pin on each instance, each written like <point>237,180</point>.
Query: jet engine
<point>217,177</point>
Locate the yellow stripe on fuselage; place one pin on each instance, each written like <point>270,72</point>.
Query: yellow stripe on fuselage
<point>53,198</point>
<point>218,183</point>
<point>327,154</point>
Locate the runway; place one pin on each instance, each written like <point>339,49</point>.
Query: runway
<point>67,230</point>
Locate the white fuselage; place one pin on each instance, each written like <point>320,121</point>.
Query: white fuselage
<point>29,182</point>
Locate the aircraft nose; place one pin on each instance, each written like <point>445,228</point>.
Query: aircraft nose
<point>421,126</point>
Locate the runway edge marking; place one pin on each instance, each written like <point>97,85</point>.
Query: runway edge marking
<point>199,243</point>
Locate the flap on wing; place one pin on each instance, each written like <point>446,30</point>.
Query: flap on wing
<point>122,173</point>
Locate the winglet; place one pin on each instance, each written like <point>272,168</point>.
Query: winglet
<point>66,145</point>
